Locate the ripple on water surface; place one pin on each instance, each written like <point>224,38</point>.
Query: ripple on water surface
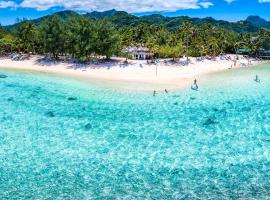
<point>63,139</point>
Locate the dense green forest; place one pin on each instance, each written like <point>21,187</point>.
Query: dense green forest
<point>82,37</point>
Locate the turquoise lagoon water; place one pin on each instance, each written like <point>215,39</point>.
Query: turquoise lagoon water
<point>62,139</point>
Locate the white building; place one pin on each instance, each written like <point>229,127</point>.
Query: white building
<point>139,53</point>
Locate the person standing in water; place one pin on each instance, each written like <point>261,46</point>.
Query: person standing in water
<point>195,85</point>
<point>257,79</point>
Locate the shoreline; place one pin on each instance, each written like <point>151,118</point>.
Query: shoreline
<point>138,75</point>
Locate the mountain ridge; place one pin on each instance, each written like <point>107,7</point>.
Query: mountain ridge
<point>258,21</point>
<point>122,19</point>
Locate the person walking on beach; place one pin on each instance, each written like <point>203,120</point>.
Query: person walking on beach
<point>249,61</point>
<point>234,62</point>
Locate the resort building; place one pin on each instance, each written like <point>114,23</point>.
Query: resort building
<point>139,53</point>
<point>263,54</point>
<point>243,51</point>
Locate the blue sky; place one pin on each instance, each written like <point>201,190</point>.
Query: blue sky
<point>232,10</point>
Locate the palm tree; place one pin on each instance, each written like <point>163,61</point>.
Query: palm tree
<point>26,33</point>
<point>186,33</point>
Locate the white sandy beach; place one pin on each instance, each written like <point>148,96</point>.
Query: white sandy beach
<point>157,76</point>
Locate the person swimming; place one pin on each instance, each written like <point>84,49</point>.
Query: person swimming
<point>257,79</point>
<point>154,93</point>
<point>166,90</point>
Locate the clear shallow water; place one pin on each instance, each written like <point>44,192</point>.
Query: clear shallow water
<point>60,139</point>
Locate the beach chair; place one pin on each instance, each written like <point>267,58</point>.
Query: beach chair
<point>243,64</point>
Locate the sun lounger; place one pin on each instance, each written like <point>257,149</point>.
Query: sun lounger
<point>243,64</point>
<point>199,59</point>
<point>184,63</point>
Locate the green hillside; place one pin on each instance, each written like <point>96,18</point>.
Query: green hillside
<point>123,19</point>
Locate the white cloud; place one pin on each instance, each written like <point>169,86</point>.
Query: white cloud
<point>8,4</point>
<point>206,4</point>
<point>229,1</point>
<point>133,6</point>
<point>260,1</point>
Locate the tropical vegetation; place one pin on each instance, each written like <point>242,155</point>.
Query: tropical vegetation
<point>70,35</point>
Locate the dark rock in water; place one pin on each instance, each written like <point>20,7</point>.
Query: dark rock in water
<point>246,109</point>
<point>132,137</point>
<point>103,151</point>
<point>209,122</point>
<point>223,111</point>
<point>3,76</point>
<point>88,126</point>
<point>33,95</point>
<point>254,104</point>
<point>10,99</point>
<point>7,118</point>
<point>229,102</point>
<point>11,85</point>
<point>50,114</point>
<point>72,98</point>
<point>215,109</point>
<point>177,171</point>
<point>121,136</point>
